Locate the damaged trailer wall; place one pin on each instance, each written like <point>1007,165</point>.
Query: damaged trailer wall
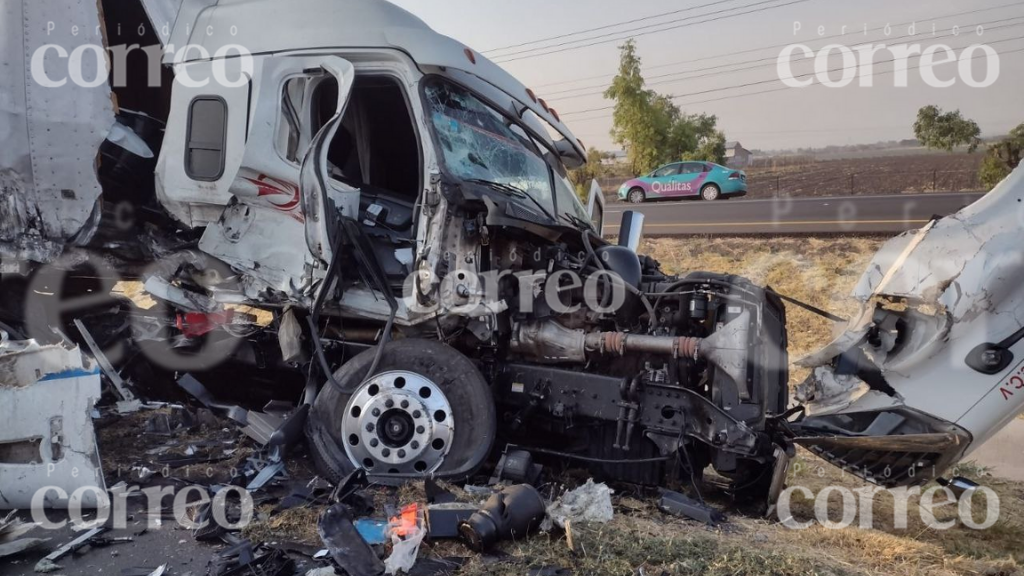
<point>50,135</point>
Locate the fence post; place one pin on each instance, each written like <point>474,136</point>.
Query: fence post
<point>935,186</point>
<point>778,189</point>
<point>851,182</point>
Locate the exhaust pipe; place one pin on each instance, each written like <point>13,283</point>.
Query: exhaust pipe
<point>726,349</point>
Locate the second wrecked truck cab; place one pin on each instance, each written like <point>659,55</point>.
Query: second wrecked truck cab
<point>931,367</point>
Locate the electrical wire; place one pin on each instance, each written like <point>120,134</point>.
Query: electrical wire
<point>559,48</point>
<point>774,80</point>
<point>605,27</point>
<point>758,64</point>
<point>783,45</point>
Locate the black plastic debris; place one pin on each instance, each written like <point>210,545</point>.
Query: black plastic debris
<point>436,494</point>
<point>437,567</point>
<point>517,466</point>
<point>348,549</point>
<point>189,383</point>
<point>243,559</point>
<point>512,513</point>
<point>443,520</point>
<point>678,504</point>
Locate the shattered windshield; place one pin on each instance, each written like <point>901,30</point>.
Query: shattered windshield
<point>480,144</point>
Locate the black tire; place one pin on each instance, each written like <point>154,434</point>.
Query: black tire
<point>711,192</point>
<point>472,406</point>
<point>636,196</point>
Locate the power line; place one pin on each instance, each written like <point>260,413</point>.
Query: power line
<point>558,48</point>
<point>764,63</point>
<point>780,89</point>
<point>782,45</point>
<point>635,20</point>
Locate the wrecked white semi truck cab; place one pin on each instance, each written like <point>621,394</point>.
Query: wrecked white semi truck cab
<point>933,365</point>
<point>402,207</point>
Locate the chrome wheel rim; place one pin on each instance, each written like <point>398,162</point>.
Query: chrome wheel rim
<point>636,197</point>
<point>711,193</point>
<point>398,422</point>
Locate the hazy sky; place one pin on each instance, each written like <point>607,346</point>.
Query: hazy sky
<point>779,118</point>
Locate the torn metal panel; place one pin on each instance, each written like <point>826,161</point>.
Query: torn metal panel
<point>930,300</point>
<point>51,134</point>
<point>47,394</point>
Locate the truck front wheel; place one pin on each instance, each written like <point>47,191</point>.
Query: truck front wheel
<point>426,411</point>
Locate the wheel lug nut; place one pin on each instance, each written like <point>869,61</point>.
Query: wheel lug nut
<point>389,403</point>
<point>369,427</point>
<point>386,452</point>
<point>374,442</point>
<point>416,414</point>
<point>404,404</point>
<point>415,445</point>
<point>375,412</point>
<point>420,429</point>
<point>401,453</point>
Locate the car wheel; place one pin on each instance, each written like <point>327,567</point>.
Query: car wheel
<point>427,411</point>
<point>637,196</point>
<point>711,192</point>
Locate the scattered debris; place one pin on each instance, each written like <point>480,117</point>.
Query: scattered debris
<point>374,531</point>
<point>435,493</point>
<point>49,563</point>
<point>443,520</point>
<point>348,549</point>
<point>588,503</point>
<point>196,389</point>
<point>517,466</point>
<point>129,403</point>
<point>11,531</point>
<point>511,513</point>
<point>406,538</point>
<point>681,505</point>
<point>42,442</point>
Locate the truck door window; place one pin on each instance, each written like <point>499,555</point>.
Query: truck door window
<point>376,148</point>
<point>207,134</point>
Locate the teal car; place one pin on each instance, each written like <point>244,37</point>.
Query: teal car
<point>708,180</point>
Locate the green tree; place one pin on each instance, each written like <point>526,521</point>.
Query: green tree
<point>592,170</point>
<point>945,131</point>
<point>1002,158</point>
<point>651,128</point>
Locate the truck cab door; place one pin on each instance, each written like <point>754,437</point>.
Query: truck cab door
<point>323,198</point>
<point>277,226</point>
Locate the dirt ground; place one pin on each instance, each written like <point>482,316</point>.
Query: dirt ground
<point>955,172</point>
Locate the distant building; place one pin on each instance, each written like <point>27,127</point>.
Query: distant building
<point>736,156</point>
<point>613,158</point>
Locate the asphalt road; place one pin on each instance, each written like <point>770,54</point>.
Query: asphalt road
<point>860,214</point>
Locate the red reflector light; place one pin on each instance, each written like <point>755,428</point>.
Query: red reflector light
<point>544,105</point>
<point>470,55</point>
<point>531,94</point>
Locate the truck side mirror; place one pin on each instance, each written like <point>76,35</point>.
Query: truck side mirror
<point>631,230</point>
<point>595,207</point>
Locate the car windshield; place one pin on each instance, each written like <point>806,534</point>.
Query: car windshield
<point>480,144</point>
